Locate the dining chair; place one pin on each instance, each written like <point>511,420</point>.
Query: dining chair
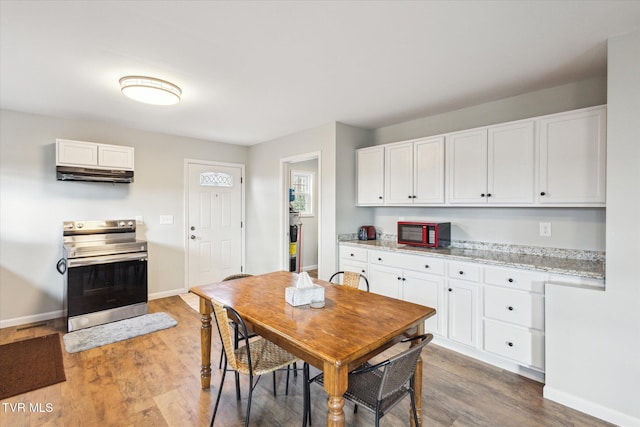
<point>379,387</point>
<point>350,279</point>
<point>255,358</point>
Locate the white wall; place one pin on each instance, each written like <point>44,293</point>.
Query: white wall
<point>572,228</point>
<point>265,207</point>
<point>33,206</point>
<point>349,216</point>
<point>593,338</point>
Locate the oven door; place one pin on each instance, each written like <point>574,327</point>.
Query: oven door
<point>106,282</point>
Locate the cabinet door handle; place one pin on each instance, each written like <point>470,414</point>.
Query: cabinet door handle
<point>426,266</point>
<point>510,308</point>
<point>542,193</point>
<point>509,343</point>
<point>461,272</point>
<point>488,194</point>
<point>482,195</point>
<point>404,279</point>
<point>352,254</point>
<point>380,197</point>
<point>450,290</point>
<point>399,278</point>
<point>379,259</point>
<point>510,280</point>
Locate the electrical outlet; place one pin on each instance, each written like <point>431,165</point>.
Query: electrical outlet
<point>545,229</point>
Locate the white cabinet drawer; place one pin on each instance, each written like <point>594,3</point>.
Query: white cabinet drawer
<point>391,259</point>
<point>522,308</point>
<point>464,271</point>
<point>354,254</point>
<point>515,279</point>
<point>522,345</point>
<point>355,266</point>
<point>418,263</point>
<point>423,264</point>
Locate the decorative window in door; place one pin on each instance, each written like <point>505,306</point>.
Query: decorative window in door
<point>302,185</point>
<point>216,179</point>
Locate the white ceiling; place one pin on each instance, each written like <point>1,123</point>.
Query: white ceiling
<point>254,71</point>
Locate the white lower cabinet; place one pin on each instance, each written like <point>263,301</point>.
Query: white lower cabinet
<point>522,345</point>
<point>513,315</point>
<point>462,314</point>
<point>495,314</point>
<point>411,278</point>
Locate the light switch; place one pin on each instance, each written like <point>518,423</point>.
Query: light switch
<point>166,219</point>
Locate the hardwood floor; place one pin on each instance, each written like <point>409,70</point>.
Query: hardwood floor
<point>154,380</point>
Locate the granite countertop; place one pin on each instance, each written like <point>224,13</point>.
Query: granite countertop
<point>574,263</point>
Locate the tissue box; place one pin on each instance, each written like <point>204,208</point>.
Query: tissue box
<point>296,297</point>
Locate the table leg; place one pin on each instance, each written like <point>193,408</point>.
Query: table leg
<point>205,342</point>
<point>335,384</point>
<point>417,386</point>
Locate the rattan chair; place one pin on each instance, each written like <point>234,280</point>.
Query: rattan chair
<point>380,387</point>
<point>350,279</point>
<point>255,358</point>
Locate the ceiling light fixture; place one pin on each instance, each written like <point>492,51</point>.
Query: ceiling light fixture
<point>150,90</point>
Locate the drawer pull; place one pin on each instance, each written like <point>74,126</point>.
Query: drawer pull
<point>399,278</point>
<point>363,270</point>
<point>509,343</point>
<point>510,280</point>
<point>426,266</point>
<point>352,254</point>
<point>461,272</point>
<point>510,308</point>
<point>450,289</point>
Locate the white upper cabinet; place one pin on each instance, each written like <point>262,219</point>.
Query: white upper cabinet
<point>428,170</point>
<point>74,153</point>
<point>572,158</point>
<point>554,160</point>
<point>370,176</point>
<point>467,167</point>
<point>493,165</point>
<point>414,172</point>
<point>93,155</point>
<point>511,163</point>
<point>399,173</point>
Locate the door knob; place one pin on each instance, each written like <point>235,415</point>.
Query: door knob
<point>192,228</point>
<point>193,237</point>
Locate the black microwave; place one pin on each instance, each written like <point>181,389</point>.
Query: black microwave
<point>424,234</point>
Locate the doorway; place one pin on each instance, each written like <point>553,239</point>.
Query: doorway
<point>214,221</point>
<point>301,213</point>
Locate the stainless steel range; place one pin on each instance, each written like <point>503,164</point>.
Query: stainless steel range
<point>105,269</point>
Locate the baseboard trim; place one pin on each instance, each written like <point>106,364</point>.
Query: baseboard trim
<point>590,408</point>
<point>489,358</point>
<point>25,320</point>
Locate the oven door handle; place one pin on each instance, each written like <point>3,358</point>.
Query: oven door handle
<point>106,259</point>
<point>61,266</point>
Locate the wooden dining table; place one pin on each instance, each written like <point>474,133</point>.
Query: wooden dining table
<point>351,328</point>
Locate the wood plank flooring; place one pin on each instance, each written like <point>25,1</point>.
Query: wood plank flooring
<point>154,380</point>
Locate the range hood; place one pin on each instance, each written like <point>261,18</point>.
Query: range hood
<point>76,173</point>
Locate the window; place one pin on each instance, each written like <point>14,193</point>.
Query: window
<point>302,185</point>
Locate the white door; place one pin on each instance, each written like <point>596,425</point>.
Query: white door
<point>214,223</point>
